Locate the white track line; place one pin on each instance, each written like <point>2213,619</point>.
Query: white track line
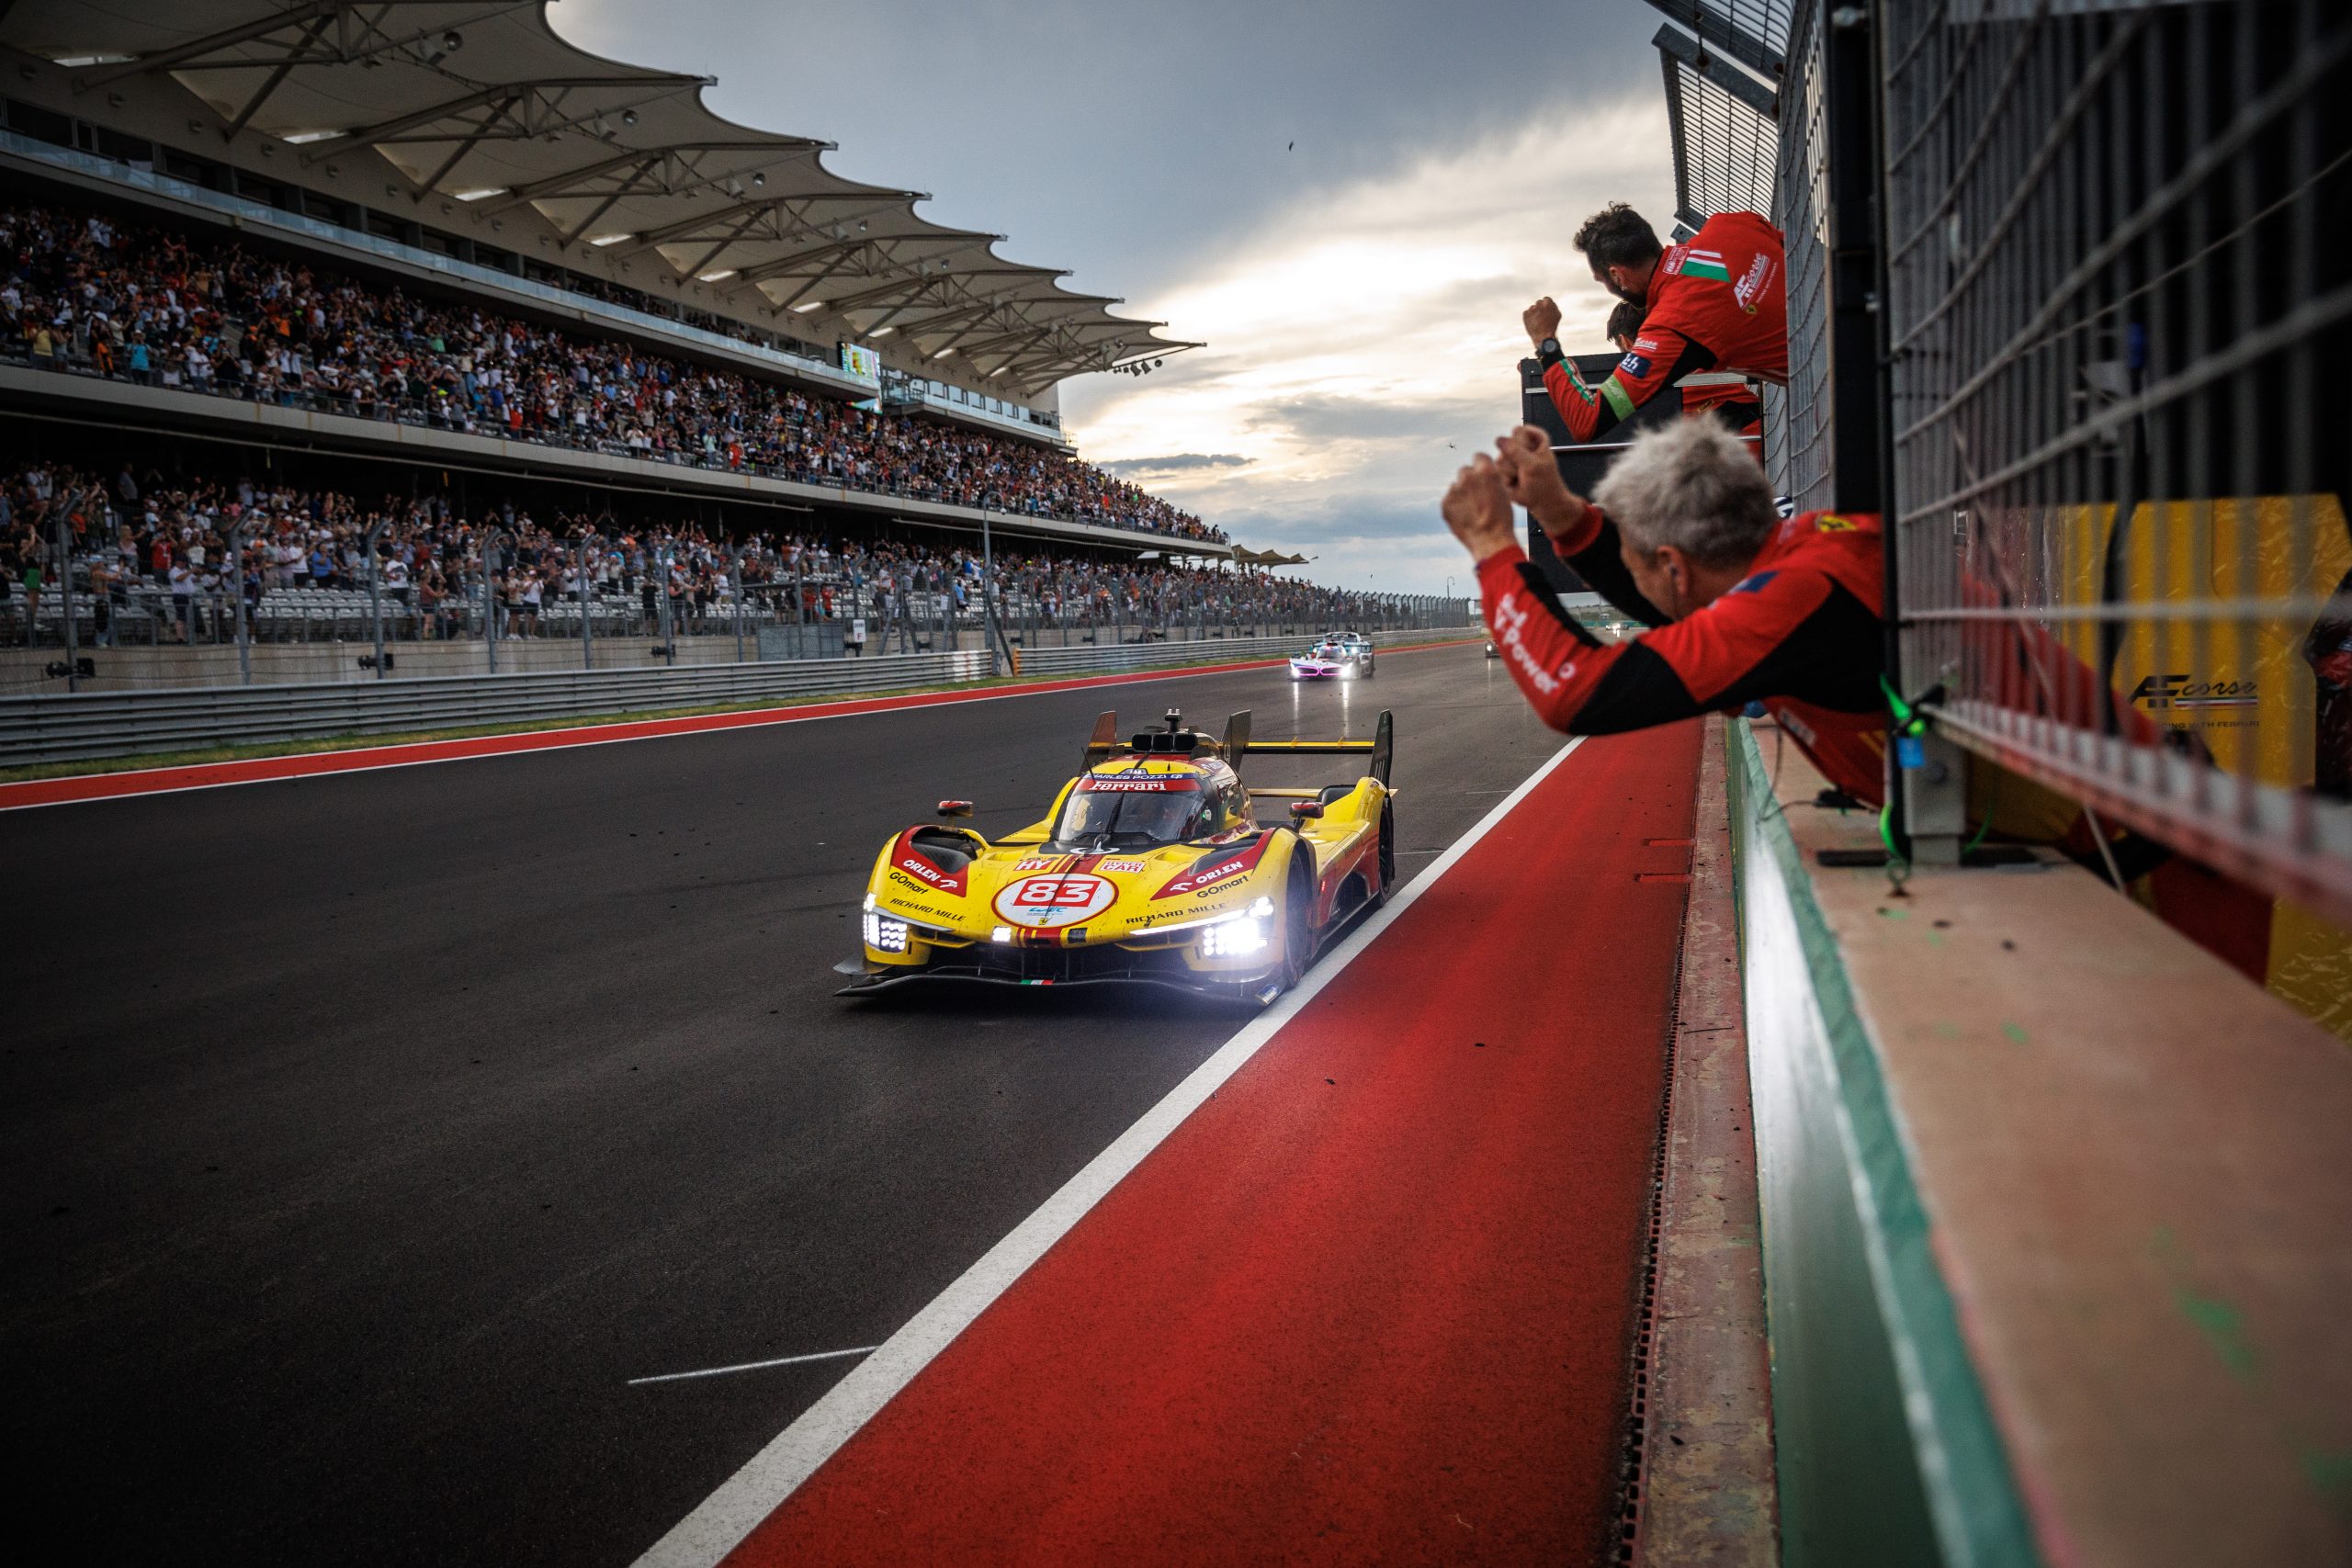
<point>755,1492</point>
<point>757,1366</point>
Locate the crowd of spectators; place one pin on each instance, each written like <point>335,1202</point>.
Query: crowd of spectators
<point>175,552</point>
<point>86,293</point>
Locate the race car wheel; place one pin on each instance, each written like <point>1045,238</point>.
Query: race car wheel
<point>1387,855</point>
<point>1298,923</point>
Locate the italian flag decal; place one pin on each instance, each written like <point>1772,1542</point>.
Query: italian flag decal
<point>1705,264</point>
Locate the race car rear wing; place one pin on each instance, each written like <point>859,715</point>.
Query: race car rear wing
<point>1380,750</point>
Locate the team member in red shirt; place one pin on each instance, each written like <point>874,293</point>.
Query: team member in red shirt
<point>1727,397</point>
<point>1718,303</point>
<point>1746,607</point>
<point>1682,534</point>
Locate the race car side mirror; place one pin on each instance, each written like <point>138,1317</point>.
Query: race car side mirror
<point>955,808</point>
<point>1306,808</point>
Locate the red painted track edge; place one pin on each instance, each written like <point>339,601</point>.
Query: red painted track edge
<point>77,788</point>
<point>1374,1299</point>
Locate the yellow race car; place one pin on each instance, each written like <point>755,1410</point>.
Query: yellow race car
<point>1152,867</point>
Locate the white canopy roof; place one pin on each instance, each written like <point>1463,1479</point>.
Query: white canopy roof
<point>482,103</point>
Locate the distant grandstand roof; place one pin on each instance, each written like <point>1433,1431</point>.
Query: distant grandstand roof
<point>1724,66</point>
<point>484,104</point>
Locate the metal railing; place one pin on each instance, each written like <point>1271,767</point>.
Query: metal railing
<point>137,635</point>
<point>65,727</point>
<point>2118,257</point>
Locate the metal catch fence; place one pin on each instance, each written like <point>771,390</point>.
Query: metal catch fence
<point>2118,263</point>
<point>2069,287</point>
<point>65,727</point>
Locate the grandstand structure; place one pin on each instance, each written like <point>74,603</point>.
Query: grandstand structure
<point>464,153</point>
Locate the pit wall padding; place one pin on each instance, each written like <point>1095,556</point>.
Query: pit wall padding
<point>1887,1449</point>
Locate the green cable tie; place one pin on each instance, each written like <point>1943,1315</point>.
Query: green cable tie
<point>1907,720</point>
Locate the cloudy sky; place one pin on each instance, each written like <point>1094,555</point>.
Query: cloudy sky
<point>1349,200</point>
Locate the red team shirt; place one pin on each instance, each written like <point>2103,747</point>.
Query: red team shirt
<point>1718,303</point>
<point>1786,635</point>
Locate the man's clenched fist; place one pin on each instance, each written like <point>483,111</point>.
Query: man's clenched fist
<point>1532,477</point>
<point>1541,319</point>
<point>1477,509</point>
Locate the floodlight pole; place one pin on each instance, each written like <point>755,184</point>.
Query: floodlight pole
<point>735,592</point>
<point>64,598</point>
<point>374,589</point>
<point>988,596</point>
<point>244,633</point>
<point>490,593</point>
<point>587,632</point>
<point>669,636</point>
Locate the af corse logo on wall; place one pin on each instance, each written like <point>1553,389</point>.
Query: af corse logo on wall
<point>2185,692</point>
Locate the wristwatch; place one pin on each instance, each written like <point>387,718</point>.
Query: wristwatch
<point>1547,353</point>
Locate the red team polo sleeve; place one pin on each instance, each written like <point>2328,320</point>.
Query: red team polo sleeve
<point>1659,358</point>
<point>1751,643</point>
<point>1717,302</point>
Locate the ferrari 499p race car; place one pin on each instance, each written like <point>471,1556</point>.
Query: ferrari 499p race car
<point>1152,866</point>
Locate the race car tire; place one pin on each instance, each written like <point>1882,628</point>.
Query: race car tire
<point>1298,921</point>
<point>1387,855</point>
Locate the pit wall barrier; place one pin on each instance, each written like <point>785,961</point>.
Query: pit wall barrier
<point>2054,1207</point>
<point>1860,1321</point>
<point>89,725</point>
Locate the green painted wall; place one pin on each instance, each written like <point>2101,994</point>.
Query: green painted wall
<point>1887,1455</point>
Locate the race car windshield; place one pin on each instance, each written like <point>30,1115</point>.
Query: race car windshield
<point>1127,817</point>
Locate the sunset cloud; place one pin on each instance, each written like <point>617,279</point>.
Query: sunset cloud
<point>1362,346</point>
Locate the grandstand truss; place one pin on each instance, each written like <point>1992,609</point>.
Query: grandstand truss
<point>480,102</point>
<point>1721,103</point>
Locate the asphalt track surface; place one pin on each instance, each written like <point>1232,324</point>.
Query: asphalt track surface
<point>366,1136</point>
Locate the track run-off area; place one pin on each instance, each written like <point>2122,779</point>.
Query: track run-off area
<point>383,1147</point>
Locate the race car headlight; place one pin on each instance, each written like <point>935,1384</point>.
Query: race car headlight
<point>1231,939</point>
<point>886,935</point>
